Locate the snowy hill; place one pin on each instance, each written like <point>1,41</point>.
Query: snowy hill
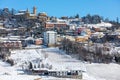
<point>60,61</point>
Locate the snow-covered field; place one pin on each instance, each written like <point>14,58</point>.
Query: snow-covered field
<point>105,71</point>
<point>59,61</point>
<point>8,72</point>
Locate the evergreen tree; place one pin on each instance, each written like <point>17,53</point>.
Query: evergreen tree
<point>117,20</point>
<point>77,16</point>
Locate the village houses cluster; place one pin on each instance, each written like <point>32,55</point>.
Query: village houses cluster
<point>24,29</point>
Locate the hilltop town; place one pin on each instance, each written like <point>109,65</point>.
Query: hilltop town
<point>36,46</point>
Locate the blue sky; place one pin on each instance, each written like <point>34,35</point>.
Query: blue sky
<point>105,8</point>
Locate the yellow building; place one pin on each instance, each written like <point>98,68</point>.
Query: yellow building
<point>25,14</point>
<point>88,31</point>
<point>81,38</point>
<point>43,16</point>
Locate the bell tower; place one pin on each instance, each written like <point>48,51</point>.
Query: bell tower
<point>34,10</point>
<point>27,14</point>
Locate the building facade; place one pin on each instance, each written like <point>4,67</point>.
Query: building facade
<point>50,38</point>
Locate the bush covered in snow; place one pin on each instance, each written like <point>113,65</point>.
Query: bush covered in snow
<point>11,61</point>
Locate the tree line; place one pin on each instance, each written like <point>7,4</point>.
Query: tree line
<point>84,54</point>
<point>7,13</point>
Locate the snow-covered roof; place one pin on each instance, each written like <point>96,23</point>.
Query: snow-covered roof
<point>19,13</point>
<point>32,14</point>
<point>61,20</point>
<point>44,13</point>
<point>99,25</point>
<point>22,10</point>
<point>100,34</point>
<point>51,32</point>
<point>1,23</point>
<point>29,38</point>
<point>56,23</point>
<point>104,24</point>
<point>9,38</point>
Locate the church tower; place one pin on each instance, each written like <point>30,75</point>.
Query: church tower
<point>34,10</point>
<point>27,14</point>
<point>27,11</point>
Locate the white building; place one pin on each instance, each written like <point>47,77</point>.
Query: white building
<point>50,38</point>
<point>1,25</point>
<point>99,25</point>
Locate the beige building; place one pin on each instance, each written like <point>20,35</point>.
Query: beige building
<point>42,16</point>
<point>25,14</point>
<point>81,38</point>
